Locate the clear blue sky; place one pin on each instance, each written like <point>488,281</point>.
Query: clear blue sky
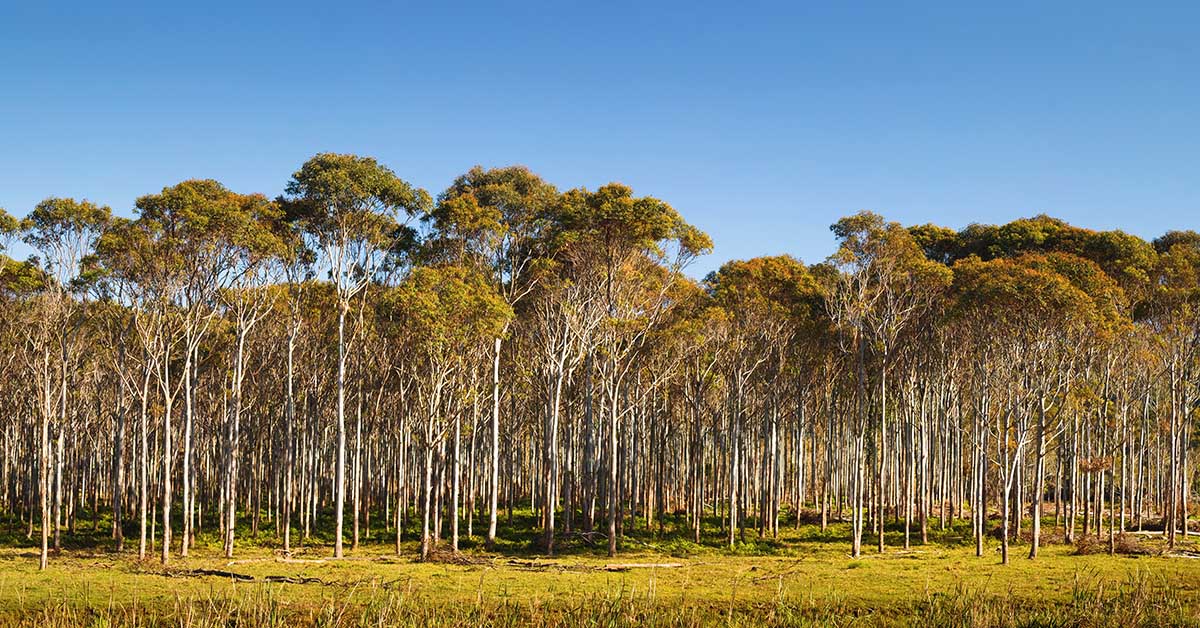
<point>761,123</point>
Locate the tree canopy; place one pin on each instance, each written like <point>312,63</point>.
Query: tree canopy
<point>358,355</point>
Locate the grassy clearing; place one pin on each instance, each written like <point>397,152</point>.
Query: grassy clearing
<point>804,578</point>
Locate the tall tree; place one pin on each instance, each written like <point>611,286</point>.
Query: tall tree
<point>64,231</point>
<point>355,210</point>
<point>884,283</point>
<point>496,218</point>
<point>622,235</point>
<point>444,312</point>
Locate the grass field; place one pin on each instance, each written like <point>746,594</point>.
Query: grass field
<point>806,577</point>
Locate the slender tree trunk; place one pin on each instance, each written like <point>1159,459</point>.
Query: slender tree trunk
<point>426,540</point>
<point>144,466</point>
<point>456,470</point>
<point>44,464</point>
<point>613,488</point>
<point>58,450</point>
<point>187,452</point>
<point>1039,480</point>
<point>883,452</point>
<point>340,471</point>
<point>289,446</point>
<point>356,472</point>
<point>494,468</point>
<point>168,397</point>
<point>118,465</point>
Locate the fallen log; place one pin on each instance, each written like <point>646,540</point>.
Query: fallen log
<point>215,572</point>
<point>241,577</point>
<point>533,565</point>
<point>296,580</point>
<point>628,566</point>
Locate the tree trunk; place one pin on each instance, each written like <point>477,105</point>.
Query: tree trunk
<point>494,468</point>
<point>340,471</point>
<point>168,397</point>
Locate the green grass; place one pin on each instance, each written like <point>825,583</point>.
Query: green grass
<point>806,577</point>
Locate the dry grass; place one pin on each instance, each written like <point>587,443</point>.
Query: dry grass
<point>803,578</point>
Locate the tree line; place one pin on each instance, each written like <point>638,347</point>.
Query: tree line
<point>358,354</point>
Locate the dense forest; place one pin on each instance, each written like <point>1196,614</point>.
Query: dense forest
<point>362,355</point>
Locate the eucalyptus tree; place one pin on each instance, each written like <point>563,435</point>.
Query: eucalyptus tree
<point>132,267</point>
<point>254,242</point>
<point>700,334</point>
<point>24,343</point>
<point>315,356</point>
<point>295,263</point>
<point>64,231</point>
<point>563,318</point>
<point>883,283</point>
<point>497,219</point>
<point>187,250</point>
<point>355,211</point>
<point>443,312</point>
<point>1020,312</point>
<point>1174,313</point>
<point>624,237</point>
<point>767,301</point>
<point>112,323</point>
<point>1095,320</point>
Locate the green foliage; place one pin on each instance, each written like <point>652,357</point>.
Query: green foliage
<point>887,250</point>
<point>774,298</point>
<point>1017,294</point>
<point>8,225</point>
<point>446,309</point>
<point>190,240</point>
<point>1105,296</point>
<point>56,219</point>
<point>879,281</point>
<point>22,279</point>
<point>1176,280</point>
<point>616,222</point>
<point>1128,259</point>
<point>1170,239</point>
<point>345,199</point>
<point>940,244</point>
<point>781,284</point>
<point>65,230</point>
<point>1038,234</point>
<point>497,215</point>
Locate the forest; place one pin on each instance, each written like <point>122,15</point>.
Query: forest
<point>359,361</point>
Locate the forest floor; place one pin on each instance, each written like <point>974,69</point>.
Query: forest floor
<point>805,577</point>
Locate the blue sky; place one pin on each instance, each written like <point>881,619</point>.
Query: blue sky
<point>761,122</point>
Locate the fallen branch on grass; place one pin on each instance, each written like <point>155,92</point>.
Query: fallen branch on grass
<point>628,566</point>
<point>211,572</point>
<point>241,577</point>
<point>533,565</point>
